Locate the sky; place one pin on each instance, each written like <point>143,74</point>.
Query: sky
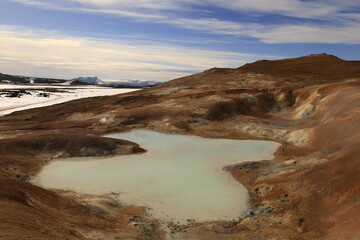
<point>161,40</point>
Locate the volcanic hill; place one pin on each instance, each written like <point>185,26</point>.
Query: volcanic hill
<point>310,190</point>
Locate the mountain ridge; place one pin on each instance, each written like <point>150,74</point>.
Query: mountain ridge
<point>324,66</point>
<point>308,70</point>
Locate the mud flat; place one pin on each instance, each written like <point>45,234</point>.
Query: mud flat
<point>179,177</point>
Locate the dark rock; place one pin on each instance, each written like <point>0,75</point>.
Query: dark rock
<point>249,166</point>
<point>43,94</point>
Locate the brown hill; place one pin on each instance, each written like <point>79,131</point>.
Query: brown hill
<point>309,191</point>
<point>318,66</point>
<point>307,70</point>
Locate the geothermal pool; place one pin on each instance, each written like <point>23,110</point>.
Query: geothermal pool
<point>179,177</point>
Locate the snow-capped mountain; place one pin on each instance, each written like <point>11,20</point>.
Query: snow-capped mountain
<point>127,83</point>
<point>12,79</point>
<point>92,80</point>
<point>136,83</point>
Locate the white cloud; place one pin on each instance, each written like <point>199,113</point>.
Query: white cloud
<point>316,9</point>
<point>53,55</point>
<point>121,13</point>
<point>131,4</point>
<point>339,23</point>
<point>287,33</point>
<point>37,3</point>
<point>310,34</point>
<point>297,8</point>
<point>293,8</point>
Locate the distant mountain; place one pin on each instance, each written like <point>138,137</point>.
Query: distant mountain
<point>5,78</point>
<point>136,83</point>
<point>92,80</point>
<point>13,79</point>
<point>125,83</point>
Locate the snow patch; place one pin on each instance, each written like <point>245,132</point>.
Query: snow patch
<point>57,94</point>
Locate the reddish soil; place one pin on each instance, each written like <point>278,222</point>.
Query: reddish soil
<point>309,191</point>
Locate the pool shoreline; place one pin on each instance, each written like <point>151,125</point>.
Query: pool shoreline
<point>164,210</point>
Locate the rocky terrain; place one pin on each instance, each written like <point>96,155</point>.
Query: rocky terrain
<point>309,191</point>
<point>6,78</point>
<point>79,81</point>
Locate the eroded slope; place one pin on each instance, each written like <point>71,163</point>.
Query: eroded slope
<point>309,104</point>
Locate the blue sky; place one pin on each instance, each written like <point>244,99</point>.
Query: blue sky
<point>164,39</point>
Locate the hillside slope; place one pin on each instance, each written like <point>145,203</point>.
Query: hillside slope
<point>310,104</point>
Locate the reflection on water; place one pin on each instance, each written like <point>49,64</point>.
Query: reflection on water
<point>179,178</point>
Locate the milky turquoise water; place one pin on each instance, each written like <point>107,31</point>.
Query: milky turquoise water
<point>178,178</point>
